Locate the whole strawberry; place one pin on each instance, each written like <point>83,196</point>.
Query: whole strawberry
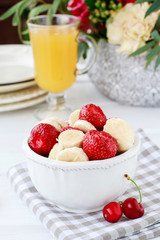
<point>99,145</point>
<point>94,115</point>
<point>42,138</point>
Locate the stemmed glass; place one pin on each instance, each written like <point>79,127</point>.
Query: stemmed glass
<point>55,50</point>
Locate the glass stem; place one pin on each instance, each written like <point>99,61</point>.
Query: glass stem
<point>55,100</point>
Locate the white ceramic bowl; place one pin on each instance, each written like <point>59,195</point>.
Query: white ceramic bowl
<point>82,187</point>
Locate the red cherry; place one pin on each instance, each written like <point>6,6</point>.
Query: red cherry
<point>132,209</point>
<point>112,212</point>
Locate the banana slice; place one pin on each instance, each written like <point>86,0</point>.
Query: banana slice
<point>84,125</point>
<point>71,138</point>
<point>56,122</point>
<point>60,122</point>
<point>121,131</point>
<point>52,122</point>
<point>55,150</point>
<point>74,117</point>
<point>74,154</point>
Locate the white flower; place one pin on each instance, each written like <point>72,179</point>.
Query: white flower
<point>129,28</point>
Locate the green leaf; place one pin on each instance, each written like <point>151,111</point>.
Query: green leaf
<point>17,16</point>
<point>55,6</point>
<point>63,6</point>
<point>153,8</point>
<point>157,62</point>
<point>157,25</point>
<point>52,10</point>
<point>143,49</point>
<point>15,20</point>
<point>26,42</point>
<point>39,9</point>
<point>153,52</point>
<point>149,61</point>
<point>90,4</point>
<point>142,1</point>
<point>49,16</point>
<point>25,32</point>
<point>22,6</point>
<point>10,11</point>
<point>82,50</point>
<point>155,35</point>
<point>95,36</point>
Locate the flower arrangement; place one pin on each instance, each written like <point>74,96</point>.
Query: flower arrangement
<point>133,25</point>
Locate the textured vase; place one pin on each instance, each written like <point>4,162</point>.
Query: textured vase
<point>125,79</point>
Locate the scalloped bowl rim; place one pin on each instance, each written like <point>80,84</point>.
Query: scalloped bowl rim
<point>107,163</point>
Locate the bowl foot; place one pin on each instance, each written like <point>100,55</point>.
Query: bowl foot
<point>79,211</point>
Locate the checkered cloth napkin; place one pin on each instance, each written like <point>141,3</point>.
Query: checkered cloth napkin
<point>70,226</point>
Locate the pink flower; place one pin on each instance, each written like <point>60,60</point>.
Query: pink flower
<point>79,9</point>
<point>124,2</point>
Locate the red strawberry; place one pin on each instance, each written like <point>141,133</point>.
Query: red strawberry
<point>99,145</point>
<point>68,128</point>
<point>42,138</point>
<point>94,115</point>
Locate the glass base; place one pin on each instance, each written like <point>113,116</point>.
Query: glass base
<point>56,108</point>
<point>45,112</point>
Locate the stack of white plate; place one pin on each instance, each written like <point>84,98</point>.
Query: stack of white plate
<point>17,85</point>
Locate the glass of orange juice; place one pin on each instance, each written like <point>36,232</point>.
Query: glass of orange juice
<point>55,50</point>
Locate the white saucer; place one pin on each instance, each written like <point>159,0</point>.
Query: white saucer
<point>21,95</point>
<point>17,86</point>
<point>16,64</point>
<point>23,104</point>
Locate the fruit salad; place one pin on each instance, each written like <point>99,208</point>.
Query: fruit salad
<point>87,136</point>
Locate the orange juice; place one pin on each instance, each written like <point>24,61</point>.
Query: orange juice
<point>55,57</point>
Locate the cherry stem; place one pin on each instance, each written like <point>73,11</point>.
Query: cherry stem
<point>140,195</point>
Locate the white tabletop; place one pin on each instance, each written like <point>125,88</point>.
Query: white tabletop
<point>16,221</point>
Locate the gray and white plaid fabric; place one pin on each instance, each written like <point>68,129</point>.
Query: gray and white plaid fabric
<point>69,226</point>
